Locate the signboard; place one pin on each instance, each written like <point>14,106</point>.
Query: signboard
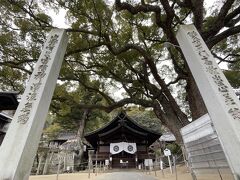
<point>148,162</point>
<point>106,162</point>
<point>167,152</point>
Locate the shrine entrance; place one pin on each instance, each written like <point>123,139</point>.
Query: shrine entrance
<point>123,160</point>
<point>122,142</point>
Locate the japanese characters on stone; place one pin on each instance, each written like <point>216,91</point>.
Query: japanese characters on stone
<point>214,73</point>
<point>38,78</point>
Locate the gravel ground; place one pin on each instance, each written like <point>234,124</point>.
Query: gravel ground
<point>182,174</point>
<point>125,176</point>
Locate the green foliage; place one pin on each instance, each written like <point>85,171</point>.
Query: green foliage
<point>11,79</point>
<point>158,152</point>
<point>53,130</point>
<point>145,118</point>
<point>209,22</point>
<point>96,120</point>
<point>20,43</point>
<point>233,78</point>
<point>67,97</point>
<point>174,148</point>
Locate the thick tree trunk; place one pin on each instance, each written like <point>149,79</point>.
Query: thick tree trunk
<point>168,116</point>
<point>169,119</point>
<point>171,125</point>
<point>195,99</point>
<point>80,133</point>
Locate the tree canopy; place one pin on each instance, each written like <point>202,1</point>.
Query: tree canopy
<point>121,46</point>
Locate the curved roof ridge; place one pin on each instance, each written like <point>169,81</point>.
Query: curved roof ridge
<point>108,123</point>
<point>124,116</point>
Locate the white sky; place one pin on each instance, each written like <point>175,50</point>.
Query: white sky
<point>58,18</point>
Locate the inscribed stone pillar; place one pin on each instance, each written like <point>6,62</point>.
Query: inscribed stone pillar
<point>222,103</point>
<point>21,141</point>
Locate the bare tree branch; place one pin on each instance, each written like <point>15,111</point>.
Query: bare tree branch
<point>219,22</point>
<point>216,39</point>
<point>142,102</point>
<point>229,21</point>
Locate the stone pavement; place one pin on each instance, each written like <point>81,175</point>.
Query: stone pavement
<point>125,176</point>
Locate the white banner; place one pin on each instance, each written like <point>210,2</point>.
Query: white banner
<point>116,148</point>
<point>130,148</point>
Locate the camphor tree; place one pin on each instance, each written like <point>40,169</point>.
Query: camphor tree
<point>67,117</point>
<point>122,46</point>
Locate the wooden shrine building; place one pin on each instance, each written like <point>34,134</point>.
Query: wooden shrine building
<point>122,143</point>
<point>8,101</point>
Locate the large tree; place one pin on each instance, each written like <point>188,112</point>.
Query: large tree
<point>125,46</point>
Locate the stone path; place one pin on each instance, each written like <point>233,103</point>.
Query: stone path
<point>125,176</point>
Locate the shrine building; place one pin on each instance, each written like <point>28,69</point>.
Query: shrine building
<point>122,143</point>
<point>8,101</point>
<point>8,105</point>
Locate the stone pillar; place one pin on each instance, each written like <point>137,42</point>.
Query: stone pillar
<point>100,167</point>
<point>136,161</point>
<point>90,163</point>
<point>20,145</point>
<point>45,168</point>
<point>39,164</point>
<point>221,101</point>
<point>47,162</point>
<point>65,160</point>
<point>96,160</point>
